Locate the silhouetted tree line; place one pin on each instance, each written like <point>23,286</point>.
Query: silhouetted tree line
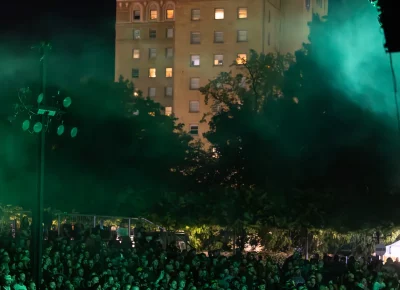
<point>285,148</point>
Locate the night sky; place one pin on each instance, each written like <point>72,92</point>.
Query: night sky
<point>82,34</point>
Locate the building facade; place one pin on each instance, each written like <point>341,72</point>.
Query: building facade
<point>169,49</point>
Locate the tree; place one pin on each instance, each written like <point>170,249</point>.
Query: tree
<point>126,156</point>
<point>288,133</point>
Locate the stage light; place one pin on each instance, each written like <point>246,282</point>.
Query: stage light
<point>37,128</point>
<point>40,98</point>
<point>74,132</point>
<point>60,130</point>
<point>25,125</point>
<point>67,102</point>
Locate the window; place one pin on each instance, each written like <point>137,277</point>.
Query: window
<point>218,37</point>
<point>152,92</point>
<point>170,14</point>
<point>168,111</point>
<point>194,106</point>
<point>195,14</point>
<point>135,53</point>
<point>152,33</point>
<point>195,60</point>
<point>153,14</point>
<point>152,53</point>
<point>136,15</point>
<point>218,59</point>
<point>135,73</point>
<point>152,73</point>
<point>194,83</point>
<point>136,34</point>
<point>168,91</point>
<point>308,4</point>
<point>195,37</point>
<point>242,35</point>
<point>168,72</point>
<point>194,129</point>
<point>169,52</point>
<point>219,13</point>
<point>269,38</point>
<point>241,58</point>
<point>242,13</point>
<point>170,32</point>
<point>269,16</point>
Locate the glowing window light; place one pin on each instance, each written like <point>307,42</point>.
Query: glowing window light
<point>219,13</point>
<point>170,14</point>
<point>242,13</point>
<point>152,73</point>
<point>168,72</point>
<point>153,14</point>
<point>241,58</point>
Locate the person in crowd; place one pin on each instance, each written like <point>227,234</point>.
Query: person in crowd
<point>90,262</point>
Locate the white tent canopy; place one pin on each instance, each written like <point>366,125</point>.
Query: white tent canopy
<point>393,251</point>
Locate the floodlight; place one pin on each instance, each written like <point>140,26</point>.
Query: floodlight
<point>37,128</point>
<point>25,125</point>
<point>74,132</point>
<point>136,94</point>
<point>60,130</point>
<point>67,102</point>
<point>40,98</point>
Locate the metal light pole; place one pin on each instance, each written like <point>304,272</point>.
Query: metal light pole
<point>37,223</point>
<point>43,112</point>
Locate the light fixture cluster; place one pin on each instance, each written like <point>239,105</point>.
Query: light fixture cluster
<point>43,117</point>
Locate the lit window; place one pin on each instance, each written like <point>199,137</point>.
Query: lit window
<point>152,92</point>
<point>194,106</point>
<point>195,37</point>
<point>219,13</point>
<point>194,129</point>
<point>136,34</point>
<point>170,32</point>
<point>168,72</point>
<point>136,15</point>
<point>195,60</point>
<point>195,14</point>
<point>241,58</point>
<point>168,91</point>
<point>135,53</point>
<point>194,83</point>
<point>152,33</point>
<point>135,73</point>
<point>153,14</point>
<point>218,37</point>
<point>242,13</point>
<point>152,73</point>
<point>169,52</point>
<point>168,111</point>
<point>152,53</point>
<point>218,59</point>
<point>242,35</point>
<point>170,14</point>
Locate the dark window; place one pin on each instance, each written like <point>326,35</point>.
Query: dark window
<point>135,73</point>
<point>136,14</point>
<point>152,33</point>
<point>194,130</point>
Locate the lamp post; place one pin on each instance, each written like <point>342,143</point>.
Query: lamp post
<point>43,115</point>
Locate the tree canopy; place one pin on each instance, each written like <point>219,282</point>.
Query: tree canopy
<point>299,144</point>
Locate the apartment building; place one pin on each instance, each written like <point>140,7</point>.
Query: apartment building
<point>170,49</point>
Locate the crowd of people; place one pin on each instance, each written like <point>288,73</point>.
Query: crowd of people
<point>92,263</point>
